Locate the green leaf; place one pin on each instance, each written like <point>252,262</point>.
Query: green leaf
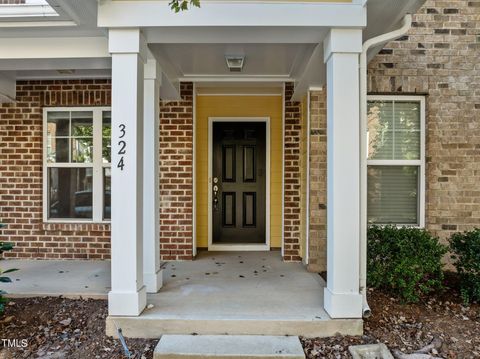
<point>9,270</point>
<point>404,261</point>
<point>183,5</point>
<point>5,280</point>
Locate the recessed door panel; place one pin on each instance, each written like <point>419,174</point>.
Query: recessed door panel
<point>249,209</point>
<point>239,182</point>
<point>249,170</point>
<point>228,209</point>
<point>228,163</point>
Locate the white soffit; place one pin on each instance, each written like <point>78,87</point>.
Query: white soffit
<point>30,8</point>
<point>208,60</point>
<point>74,18</point>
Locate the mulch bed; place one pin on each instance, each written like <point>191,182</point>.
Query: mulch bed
<point>410,327</point>
<point>65,328</point>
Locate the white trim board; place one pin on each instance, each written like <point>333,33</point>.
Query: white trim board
<point>283,172</point>
<point>307,190</point>
<point>194,176</point>
<point>239,247</point>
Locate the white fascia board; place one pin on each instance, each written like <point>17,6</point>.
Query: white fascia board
<point>93,63</point>
<point>155,13</point>
<point>55,75</point>
<point>50,47</point>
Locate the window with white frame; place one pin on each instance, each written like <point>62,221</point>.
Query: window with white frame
<point>396,160</point>
<point>77,177</point>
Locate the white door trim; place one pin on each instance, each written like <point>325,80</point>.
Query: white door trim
<point>239,247</point>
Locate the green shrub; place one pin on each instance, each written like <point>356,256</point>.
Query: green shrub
<point>3,248</point>
<point>404,261</point>
<point>465,248</point>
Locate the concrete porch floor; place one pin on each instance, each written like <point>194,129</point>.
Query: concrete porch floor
<point>68,278</point>
<point>246,293</point>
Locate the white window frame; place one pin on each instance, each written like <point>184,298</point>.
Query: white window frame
<point>97,165</point>
<point>420,163</point>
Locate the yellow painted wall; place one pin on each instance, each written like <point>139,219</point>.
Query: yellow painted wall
<point>303,176</point>
<point>238,106</point>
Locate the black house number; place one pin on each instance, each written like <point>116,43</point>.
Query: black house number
<point>122,146</point>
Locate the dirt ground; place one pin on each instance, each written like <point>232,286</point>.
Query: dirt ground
<point>63,328</point>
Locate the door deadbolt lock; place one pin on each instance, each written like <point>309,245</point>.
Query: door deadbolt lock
<point>215,180</point>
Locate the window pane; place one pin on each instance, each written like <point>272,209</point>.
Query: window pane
<point>57,149</point>
<point>82,124</point>
<point>82,150</point>
<point>58,124</point>
<point>380,130</point>
<point>393,130</point>
<point>393,194</point>
<point>58,128</point>
<point>70,192</point>
<point>106,136</point>
<point>407,130</point>
<point>107,187</point>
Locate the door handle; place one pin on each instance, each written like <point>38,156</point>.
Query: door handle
<point>215,194</point>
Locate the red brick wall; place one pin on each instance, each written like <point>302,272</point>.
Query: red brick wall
<point>21,173</point>
<point>292,211</point>
<point>176,177</point>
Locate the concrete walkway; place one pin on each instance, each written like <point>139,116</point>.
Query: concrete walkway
<point>71,279</point>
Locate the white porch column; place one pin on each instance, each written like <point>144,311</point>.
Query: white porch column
<point>152,274</point>
<point>128,294</point>
<point>342,296</point>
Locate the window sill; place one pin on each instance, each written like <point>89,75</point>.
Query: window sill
<point>397,225</point>
<point>66,225</point>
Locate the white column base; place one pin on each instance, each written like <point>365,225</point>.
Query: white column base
<point>127,303</point>
<point>153,281</point>
<point>342,305</point>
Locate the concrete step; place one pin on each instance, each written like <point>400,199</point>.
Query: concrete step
<point>153,326</point>
<point>228,346</point>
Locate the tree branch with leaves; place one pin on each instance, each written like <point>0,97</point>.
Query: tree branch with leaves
<point>182,5</point>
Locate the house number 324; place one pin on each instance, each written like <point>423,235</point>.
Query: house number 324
<point>122,145</point>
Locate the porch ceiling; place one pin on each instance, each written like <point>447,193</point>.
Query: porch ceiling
<point>207,61</point>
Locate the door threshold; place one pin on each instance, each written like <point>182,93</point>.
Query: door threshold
<point>238,247</point>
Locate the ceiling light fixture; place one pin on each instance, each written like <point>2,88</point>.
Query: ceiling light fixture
<point>235,62</point>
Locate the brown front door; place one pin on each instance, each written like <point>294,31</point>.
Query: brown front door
<point>238,182</point>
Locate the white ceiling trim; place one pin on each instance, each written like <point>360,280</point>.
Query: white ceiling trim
<point>235,35</point>
<point>53,23</point>
<point>235,79</point>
